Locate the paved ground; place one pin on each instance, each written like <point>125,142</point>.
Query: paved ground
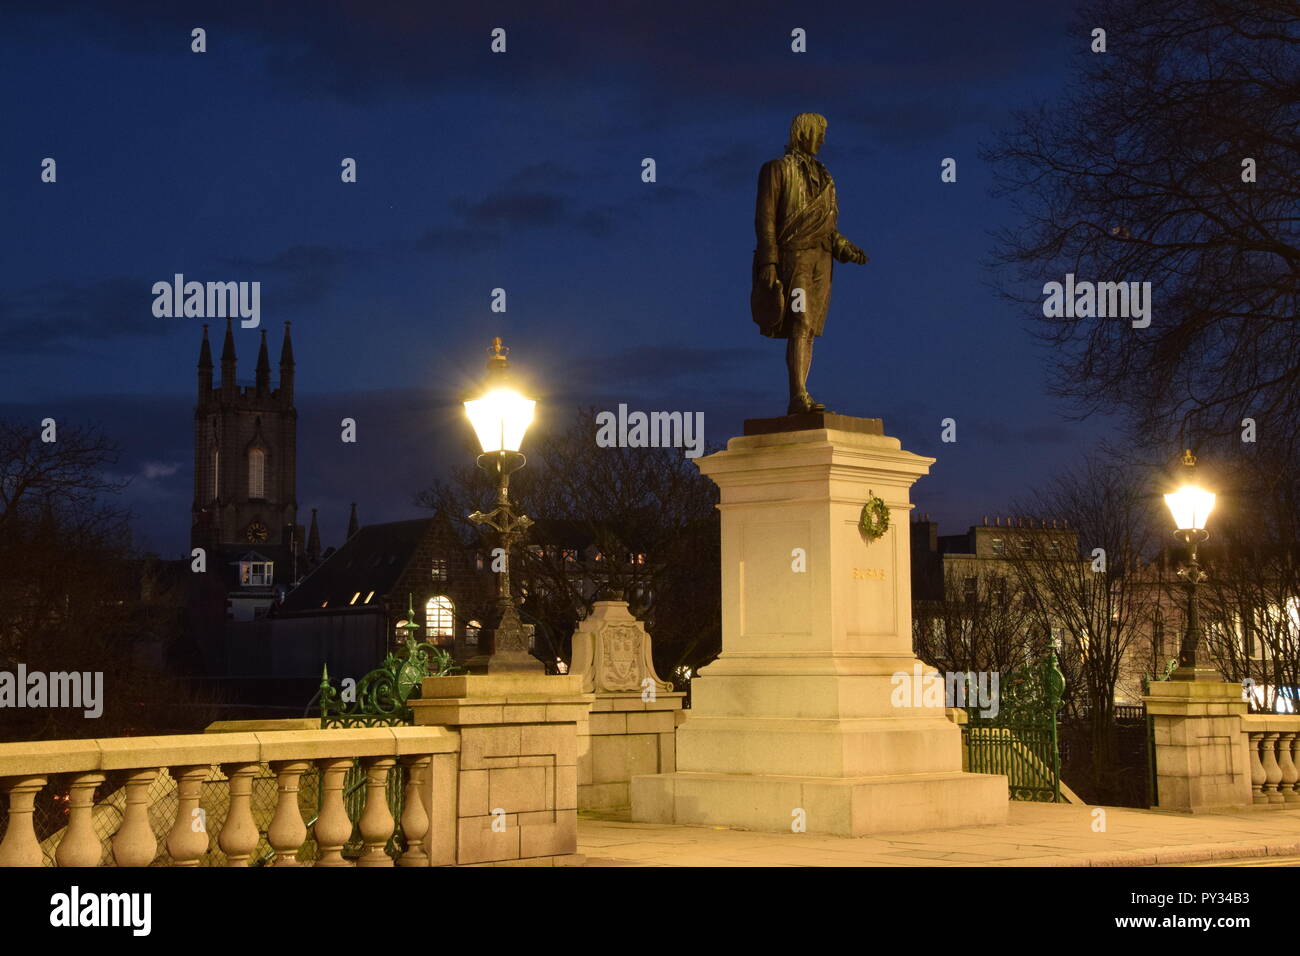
<point>1037,834</point>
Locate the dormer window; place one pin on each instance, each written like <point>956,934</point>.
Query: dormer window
<point>256,574</point>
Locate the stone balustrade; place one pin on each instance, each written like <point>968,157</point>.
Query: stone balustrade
<point>1274,749</point>
<point>429,756</point>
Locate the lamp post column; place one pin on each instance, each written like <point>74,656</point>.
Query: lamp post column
<point>1192,664</point>
<point>509,640</point>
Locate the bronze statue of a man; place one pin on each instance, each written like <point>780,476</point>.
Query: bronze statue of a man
<point>797,242</point>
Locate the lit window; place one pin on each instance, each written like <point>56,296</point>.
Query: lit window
<point>471,632</point>
<point>637,558</point>
<point>256,473</point>
<point>438,617</point>
<point>256,574</point>
<point>439,569</point>
<point>354,598</point>
<point>999,546</point>
<point>570,554</point>
<point>368,597</point>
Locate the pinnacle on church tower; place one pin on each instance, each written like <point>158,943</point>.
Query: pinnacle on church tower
<point>286,368</point>
<point>263,368</point>
<point>205,368</point>
<point>228,363</point>
<point>352,521</point>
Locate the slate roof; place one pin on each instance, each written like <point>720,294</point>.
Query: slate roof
<point>371,560</point>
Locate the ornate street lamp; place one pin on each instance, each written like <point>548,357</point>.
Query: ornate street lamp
<point>501,417</point>
<point>1190,506</point>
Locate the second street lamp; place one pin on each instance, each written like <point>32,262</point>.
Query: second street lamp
<point>501,417</point>
<point>1190,506</point>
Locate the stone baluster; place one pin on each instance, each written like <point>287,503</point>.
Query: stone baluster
<point>1272,772</point>
<point>1255,741</point>
<point>287,831</point>
<point>20,846</point>
<point>80,845</point>
<point>376,819</point>
<point>415,821</point>
<point>1285,760</point>
<point>239,833</point>
<point>188,839</point>
<point>134,843</point>
<point>332,827</point>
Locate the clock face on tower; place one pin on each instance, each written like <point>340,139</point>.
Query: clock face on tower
<point>256,531</point>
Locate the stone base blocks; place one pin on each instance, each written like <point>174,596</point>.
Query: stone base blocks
<point>1202,760</point>
<point>849,807</point>
<point>515,792</point>
<point>634,716</point>
<point>624,737</point>
<point>794,725</point>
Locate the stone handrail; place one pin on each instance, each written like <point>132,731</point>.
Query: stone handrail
<point>428,754</point>
<point>1274,748</point>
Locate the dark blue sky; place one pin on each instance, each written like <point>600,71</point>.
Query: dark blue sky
<point>518,170</point>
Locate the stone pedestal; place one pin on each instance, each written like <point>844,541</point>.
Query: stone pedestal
<point>793,723</point>
<point>515,791</point>
<point>633,719</point>
<point>1202,760</point>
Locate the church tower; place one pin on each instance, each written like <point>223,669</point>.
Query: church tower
<point>245,458</point>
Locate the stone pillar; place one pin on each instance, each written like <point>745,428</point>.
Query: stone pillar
<point>632,726</point>
<point>793,726</point>
<point>1202,756</point>
<point>516,799</point>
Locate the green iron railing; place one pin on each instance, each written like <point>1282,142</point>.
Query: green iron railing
<point>1020,741</point>
<point>380,698</point>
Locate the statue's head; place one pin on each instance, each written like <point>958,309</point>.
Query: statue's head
<point>808,132</point>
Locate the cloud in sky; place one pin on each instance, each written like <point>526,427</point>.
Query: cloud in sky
<point>53,316</point>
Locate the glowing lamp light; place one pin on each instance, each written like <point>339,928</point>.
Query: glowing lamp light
<point>500,419</point>
<point>1191,507</point>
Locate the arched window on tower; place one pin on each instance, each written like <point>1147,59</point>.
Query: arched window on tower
<point>438,619</point>
<point>216,473</point>
<point>256,473</point>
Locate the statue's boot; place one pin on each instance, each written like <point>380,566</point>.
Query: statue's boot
<point>803,402</point>
<point>798,361</point>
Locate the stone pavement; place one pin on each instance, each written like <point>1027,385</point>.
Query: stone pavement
<point>1036,834</point>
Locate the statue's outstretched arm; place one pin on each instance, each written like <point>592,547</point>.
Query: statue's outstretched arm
<point>845,251</point>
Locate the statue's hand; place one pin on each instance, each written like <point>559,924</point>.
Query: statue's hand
<point>853,254</point>
<point>768,276</point>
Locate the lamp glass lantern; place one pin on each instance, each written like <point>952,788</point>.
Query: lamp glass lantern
<point>1191,506</point>
<point>500,418</point>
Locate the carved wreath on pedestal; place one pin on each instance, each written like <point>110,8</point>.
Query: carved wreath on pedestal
<point>874,520</point>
